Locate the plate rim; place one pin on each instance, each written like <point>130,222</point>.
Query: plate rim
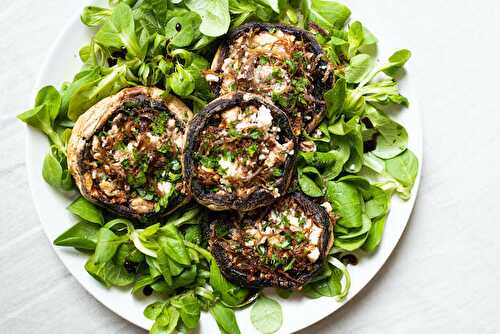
<point>417,146</point>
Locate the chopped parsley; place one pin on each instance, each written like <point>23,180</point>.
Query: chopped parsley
<point>292,66</point>
<point>174,177</point>
<point>279,99</point>
<point>263,60</point>
<point>234,133</point>
<point>209,162</point>
<point>289,266</point>
<point>221,230</point>
<point>125,163</point>
<point>158,124</point>
<point>282,245</point>
<point>228,155</point>
<point>299,236</point>
<point>164,148</point>
<point>277,73</point>
<point>298,55</point>
<point>252,149</point>
<point>120,146</point>
<point>138,180</point>
<point>255,134</point>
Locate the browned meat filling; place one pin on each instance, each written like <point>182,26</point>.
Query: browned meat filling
<point>134,159</point>
<point>274,64</point>
<point>242,151</point>
<point>286,240</point>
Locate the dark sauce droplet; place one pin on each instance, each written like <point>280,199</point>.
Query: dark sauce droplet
<point>366,121</point>
<point>178,27</point>
<point>147,291</point>
<point>130,266</point>
<point>349,259</point>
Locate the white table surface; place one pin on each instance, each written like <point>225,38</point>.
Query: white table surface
<point>444,277</point>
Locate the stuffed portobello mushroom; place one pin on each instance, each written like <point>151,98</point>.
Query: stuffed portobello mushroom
<point>125,153</point>
<point>283,246</point>
<point>240,153</point>
<point>280,62</point>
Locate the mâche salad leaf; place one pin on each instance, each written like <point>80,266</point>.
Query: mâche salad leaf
<point>356,159</point>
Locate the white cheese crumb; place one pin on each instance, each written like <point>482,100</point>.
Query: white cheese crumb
<point>231,115</point>
<point>171,123</point>
<point>249,243</point>
<point>164,187</point>
<point>264,117</point>
<point>313,255</point>
<point>229,167</point>
<point>152,138</point>
<point>263,73</point>
<point>212,78</point>
<point>179,141</point>
<point>265,38</point>
<point>314,235</point>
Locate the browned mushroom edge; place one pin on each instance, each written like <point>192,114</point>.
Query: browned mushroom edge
<point>246,259</point>
<point>111,138</point>
<point>243,194</point>
<point>311,65</point>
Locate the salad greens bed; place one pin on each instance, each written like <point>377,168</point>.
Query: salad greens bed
<point>361,157</point>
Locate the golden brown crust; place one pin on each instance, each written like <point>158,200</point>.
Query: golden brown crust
<point>98,115</point>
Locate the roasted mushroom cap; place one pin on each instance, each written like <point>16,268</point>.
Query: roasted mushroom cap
<point>280,62</point>
<point>239,153</point>
<point>283,247</point>
<point>125,153</point>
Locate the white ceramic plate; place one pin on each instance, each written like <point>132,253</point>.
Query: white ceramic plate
<point>63,62</point>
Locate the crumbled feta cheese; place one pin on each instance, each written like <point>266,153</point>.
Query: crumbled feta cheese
<point>229,167</point>
<point>164,187</point>
<point>244,125</point>
<point>270,162</point>
<point>313,255</point>
<point>171,123</point>
<point>152,138</point>
<point>315,234</point>
<point>294,221</point>
<point>131,146</point>
<point>263,73</point>
<point>120,155</point>
<point>280,87</point>
<point>179,141</point>
<point>265,38</point>
<point>264,117</point>
<point>231,115</point>
<point>249,243</point>
<point>212,78</point>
